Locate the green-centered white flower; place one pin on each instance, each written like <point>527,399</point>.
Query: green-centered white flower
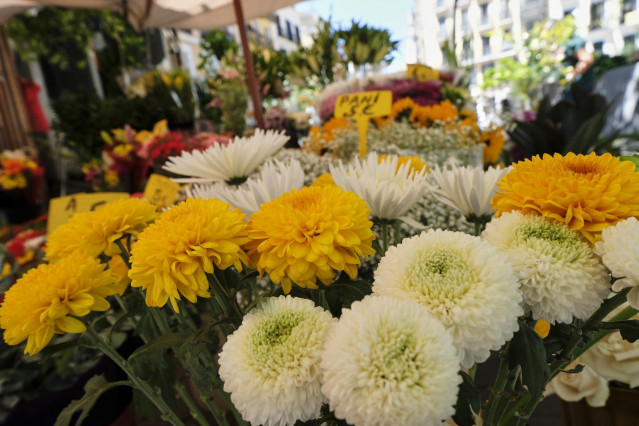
<point>231,163</point>
<point>275,179</point>
<point>619,250</point>
<point>467,189</point>
<point>271,364</point>
<point>388,189</point>
<point>560,276</point>
<point>389,362</point>
<point>463,281</point>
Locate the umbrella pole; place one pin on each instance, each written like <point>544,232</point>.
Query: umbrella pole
<point>250,69</point>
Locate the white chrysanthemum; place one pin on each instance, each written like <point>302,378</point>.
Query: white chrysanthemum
<point>389,191</point>
<point>226,163</point>
<point>467,189</point>
<point>389,362</point>
<point>587,384</point>
<point>271,364</point>
<point>560,276</point>
<point>463,281</point>
<point>275,179</point>
<point>619,251</point>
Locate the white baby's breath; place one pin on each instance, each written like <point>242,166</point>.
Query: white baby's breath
<point>275,179</point>
<point>389,362</point>
<point>389,191</point>
<point>224,163</point>
<point>463,281</point>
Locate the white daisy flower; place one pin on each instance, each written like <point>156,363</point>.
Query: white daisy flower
<point>467,189</point>
<point>275,179</point>
<point>271,364</point>
<point>560,276</point>
<point>619,251</point>
<point>229,163</point>
<point>389,362</point>
<point>463,281</point>
<point>389,191</point>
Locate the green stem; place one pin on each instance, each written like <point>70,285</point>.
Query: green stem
<point>398,232</point>
<point>160,320</point>
<point>384,238</point>
<point>477,229</point>
<point>626,314</point>
<point>123,253</point>
<point>217,413</point>
<point>230,308</point>
<point>497,391</point>
<point>195,411</point>
<point>166,411</point>
<point>473,371</point>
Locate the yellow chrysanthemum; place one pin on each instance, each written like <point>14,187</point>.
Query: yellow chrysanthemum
<point>45,300</point>
<point>323,180</point>
<point>122,150</point>
<point>96,232</point>
<point>415,163</point>
<point>120,272</point>
<point>401,106</point>
<point>442,112</point>
<point>111,178</point>
<point>172,255</point>
<point>586,192</point>
<point>494,140</point>
<point>308,234</point>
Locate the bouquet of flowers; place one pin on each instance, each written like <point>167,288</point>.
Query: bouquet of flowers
<point>171,144</point>
<point>262,289</point>
<point>17,170</point>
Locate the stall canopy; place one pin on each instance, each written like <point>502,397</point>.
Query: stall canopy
<point>186,14</point>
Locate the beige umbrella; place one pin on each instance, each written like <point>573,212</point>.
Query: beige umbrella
<point>187,14</point>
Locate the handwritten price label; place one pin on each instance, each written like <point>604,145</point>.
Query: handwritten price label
<point>63,208</point>
<point>362,107</point>
<point>160,190</point>
<point>421,72</point>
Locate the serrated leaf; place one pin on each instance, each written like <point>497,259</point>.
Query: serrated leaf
<point>93,389</point>
<point>527,350</point>
<point>468,401</point>
<point>629,329</point>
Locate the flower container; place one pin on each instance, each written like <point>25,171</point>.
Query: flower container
<point>621,409</point>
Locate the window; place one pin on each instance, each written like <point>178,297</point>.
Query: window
<point>289,31</point>
<point>568,12</point>
<point>598,46</point>
<point>465,22</point>
<point>627,6</point>
<point>628,44</point>
<point>484,13</point>
<point>440,3</point>
<point>485,44</point>
<point>486,67</point>
<point>467,51</point>
<point>442,27</point>
<point>529,25</point>
<point>596,15</point>
<point>279,26</point>
<point>507,41</point>
<point>505,11</point>
<point>297,34</point>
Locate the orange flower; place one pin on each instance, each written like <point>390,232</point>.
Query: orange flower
<point>586,192</point>
<point>400,107</point>
<point>494,140</point>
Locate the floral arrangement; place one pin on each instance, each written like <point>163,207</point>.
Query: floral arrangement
<point>17,169</point>
<point>261,288</point>
<point>172,144</point>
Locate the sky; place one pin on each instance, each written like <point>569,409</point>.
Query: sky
<point>390,14</point>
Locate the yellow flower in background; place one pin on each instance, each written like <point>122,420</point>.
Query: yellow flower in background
<point>122,150</point>
<point>494,140</point>
<point>159,128</point>
<point>415,163</point>
<point>323,180</point>
<point>586,192</point>
<point>308,234</point>
<point>172,255</point>
<point>401,106</point>
<point>542,328</point>
<point>319,139</point>
<point>45,300</point>
<point>111,178</point>
<point>96,232</point>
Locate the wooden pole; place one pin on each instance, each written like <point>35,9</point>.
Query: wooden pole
<point>250,69</point>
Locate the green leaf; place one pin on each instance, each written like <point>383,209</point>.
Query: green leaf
<point>161,344</point>
<point>629,329</point>
<point>527,350</point>
<point>93,389</point>
<point>468,401</point>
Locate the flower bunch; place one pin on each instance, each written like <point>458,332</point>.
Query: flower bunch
<point>17,169</point>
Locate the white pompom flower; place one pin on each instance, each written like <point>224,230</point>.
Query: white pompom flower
<point>389,362</point>
<point>463,281</point>
<point>560,275</point>
<point>231,163</point>
<point>271,364</point>
<point>467,189</point>
<point>619,250</point>
<point>389,189</point>
<point>276,178</point>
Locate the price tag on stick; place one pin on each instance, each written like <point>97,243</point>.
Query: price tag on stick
<point>160,190</point>
<point>362,107</point>
<point>63,208</point>
<point>421,72</point>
